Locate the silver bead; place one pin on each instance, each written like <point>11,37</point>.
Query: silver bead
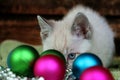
<point>33,78</point>
<point>16,79</point>
<point>19,77</point>
<point>9,78</point>
<point>2,72</point>
<point>13,75</point>
<point>10,73</point>
<point>8,69</point>
<point>41,78</point>
<point>24,78</point>
<point>5,75</point>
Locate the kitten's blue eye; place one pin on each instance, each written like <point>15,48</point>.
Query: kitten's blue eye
<point>72,56</point>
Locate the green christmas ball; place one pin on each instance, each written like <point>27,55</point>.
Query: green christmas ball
<point>21,60</point>
<point>54,52</point>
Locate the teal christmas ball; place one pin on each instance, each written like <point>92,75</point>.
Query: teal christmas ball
<point>84,61</point>
<point>21,60</point>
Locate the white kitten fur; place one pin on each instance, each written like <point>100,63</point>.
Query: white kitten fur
<point>101,42</point>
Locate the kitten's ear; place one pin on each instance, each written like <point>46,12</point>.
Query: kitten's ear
<point>81,26</point>
<point>45,26</point>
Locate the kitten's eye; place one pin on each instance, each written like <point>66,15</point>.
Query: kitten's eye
<point>72,56</point>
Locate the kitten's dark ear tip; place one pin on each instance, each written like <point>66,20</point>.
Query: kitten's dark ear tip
<point>80,14</point>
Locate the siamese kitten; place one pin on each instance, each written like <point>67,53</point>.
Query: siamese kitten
<point>81,30</point>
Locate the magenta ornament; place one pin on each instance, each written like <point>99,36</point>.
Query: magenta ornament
<point>50,67</point>
<point>96,73</point>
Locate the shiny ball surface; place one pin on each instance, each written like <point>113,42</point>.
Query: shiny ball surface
<point>50,67</point>
<point>96,73</point>
<point>21,60</point>
<point>84,61</point>
<point>53,52</point>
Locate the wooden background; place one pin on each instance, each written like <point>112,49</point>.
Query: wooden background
<point>18,17</point>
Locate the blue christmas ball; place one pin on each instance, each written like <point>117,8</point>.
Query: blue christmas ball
<point>84,61</point>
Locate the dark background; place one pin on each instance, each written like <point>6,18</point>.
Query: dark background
<point>18,17</point>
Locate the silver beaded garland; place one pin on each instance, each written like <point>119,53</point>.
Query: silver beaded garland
<point>7,74</point>
<point>69,75</point>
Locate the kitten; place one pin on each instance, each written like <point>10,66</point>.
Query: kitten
<point>81,30</point>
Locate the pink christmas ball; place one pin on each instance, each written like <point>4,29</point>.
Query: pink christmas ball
<point>50,67</point>
<point>96,73</point>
